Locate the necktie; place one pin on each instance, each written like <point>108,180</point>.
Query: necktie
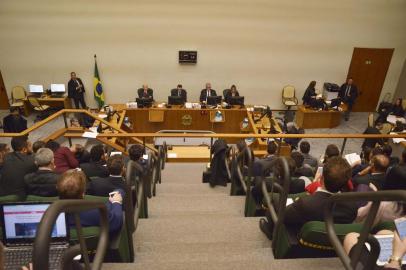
<point>178,93</point>
<point>348,91</point>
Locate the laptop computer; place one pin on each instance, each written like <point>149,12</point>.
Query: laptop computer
<point>19,226</point>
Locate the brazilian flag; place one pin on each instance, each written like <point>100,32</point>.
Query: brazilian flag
<point>98,88</point>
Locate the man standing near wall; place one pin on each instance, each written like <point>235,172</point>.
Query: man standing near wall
<point>348,94</point>
<point>76,91</point>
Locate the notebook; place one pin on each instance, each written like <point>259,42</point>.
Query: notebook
<point>19,226</point>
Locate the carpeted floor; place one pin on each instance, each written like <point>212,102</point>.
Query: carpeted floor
<point>193,226</point>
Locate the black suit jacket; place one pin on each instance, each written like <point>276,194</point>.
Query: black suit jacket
<point>41,183</point>
<point>183,93</point>
<point>309,95</point>
<point>72,92</point>
<point>14,124</point>
<point>396,178</point>
<point>311,208</point>
<point>370,142</point>
<point>149,94</point>
<point>15,167</point>
<point>93,169</point>
<point>377,179</point>
<point>228,95</point>
<point>103,186</point>
<point>353,93</point>
<point>203,94</point>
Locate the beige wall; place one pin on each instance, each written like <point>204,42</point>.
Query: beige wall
<point>260,45</point>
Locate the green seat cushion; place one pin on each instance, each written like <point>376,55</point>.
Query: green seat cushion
<point>34,198</point>
<point>9,198</point>
<point>96,198</point>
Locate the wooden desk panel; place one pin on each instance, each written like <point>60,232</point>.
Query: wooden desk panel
<point>309,118</point>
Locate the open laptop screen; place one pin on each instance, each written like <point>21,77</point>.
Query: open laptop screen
<point>20,223</point>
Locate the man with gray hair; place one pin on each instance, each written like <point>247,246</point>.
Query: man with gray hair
<point>43,181</point>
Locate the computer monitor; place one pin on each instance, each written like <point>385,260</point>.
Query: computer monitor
<point>213,100</point>
<point>57,88</point>
<point>175,100</point>
<point>36,88</point>
<point>236,100</point>
<point>144,102</point>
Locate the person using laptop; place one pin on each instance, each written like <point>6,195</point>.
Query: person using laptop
<point>15,166</point>
<point>207,92</point>
<point>72,185</point>
<point>14,122</point>
<point>76,91</point>
<point>179,92</point>
<point>43,181</point>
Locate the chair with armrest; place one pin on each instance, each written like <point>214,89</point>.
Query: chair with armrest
<point>289,96</point>
<point>18,95</point>
<point>36,105</point>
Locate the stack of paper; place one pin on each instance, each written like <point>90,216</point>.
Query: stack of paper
<point>353,158</point>
<point>397,140</point>
<point>392,119</point>
<point>88,134</point>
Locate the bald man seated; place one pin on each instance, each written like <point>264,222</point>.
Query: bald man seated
<point>374,174</point>
<point>145,92</point>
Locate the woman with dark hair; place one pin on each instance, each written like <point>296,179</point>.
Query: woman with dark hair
<point>64,158</point>
<point>397,108</point>
<point>233,92</point>
<point>310,93</point>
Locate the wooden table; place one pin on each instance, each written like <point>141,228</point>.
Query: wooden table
<point>53,102</point>
<point>310,118</point>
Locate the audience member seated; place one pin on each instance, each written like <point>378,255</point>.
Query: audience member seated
<point>37,145</point>
<point>179,92</point>
<point>292,129</point>
<point>63,156</point>
<point>396,176</point>
<point>301,169</point>
<point>264,166</point>
<point>336,173</point>
<point>308,159</point>
<point>72,185</point>
<point>207,92</point>
<point>365,155</point>
<point>373,174</point>
<point>233,92</point>
<point>372,142</point>
<point>97,164</point>
<point>395,260</point>
<point>43,181</point>
<point>136,152</point>
<point>387,151</point>
<point>81,154</point>
<point>4,150</point>
<point>145,92</point>
<point>102,186</point>
<point>14,122</point>
<point>397,108</point>
<point>15,166</point>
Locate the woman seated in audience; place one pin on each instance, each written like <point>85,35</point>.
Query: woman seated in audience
<point>64,158</point>
<point>4,149</point>
<point>37,145</point>
<point>397,108</point>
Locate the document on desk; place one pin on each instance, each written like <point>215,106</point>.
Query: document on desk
<point>88,134</point>
<point>397,140</point>
<point>393,119</point>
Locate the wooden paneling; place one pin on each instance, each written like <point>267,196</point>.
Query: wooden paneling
<point>309,118</point>
<point>4,103</point>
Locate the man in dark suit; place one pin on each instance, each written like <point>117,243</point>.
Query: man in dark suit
<point>348,94</point>
<point>103,186</point>
<point>76,91</point>
<point>371,142</point>
<point>336,173</point>
<point>207,92</point>
<point>396,176</point>
<point>373,174</point>
<point>145,92</point>
<point>97,165</point>
<point>14,122</point>
<point>72,185</point>
<point>43,181</point>
<point>179,92</point>
<point>15,166</point>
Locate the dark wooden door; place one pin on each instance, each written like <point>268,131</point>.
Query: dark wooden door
<point>4,104</point>
<point>368,69</point>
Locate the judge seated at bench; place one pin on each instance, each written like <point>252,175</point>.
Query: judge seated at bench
<point>232,92</point>
<point>207,92</point>
<point>179,92</point>
<point>145,92</point>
